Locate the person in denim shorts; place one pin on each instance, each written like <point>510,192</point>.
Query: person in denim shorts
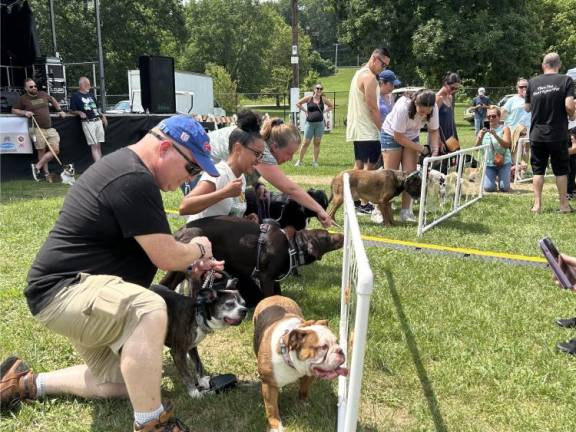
<point>399,137</point>
<point>316,106</point>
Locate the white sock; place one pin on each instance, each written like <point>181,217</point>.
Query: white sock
<point>141,418</point>
<point>40,386</point>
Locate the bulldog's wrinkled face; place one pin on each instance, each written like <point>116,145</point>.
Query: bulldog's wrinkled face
<point>228,309</point>
<point>317,242</point>
<point>316,349</point>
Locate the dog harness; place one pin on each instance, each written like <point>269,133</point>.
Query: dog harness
<point>295,251</point>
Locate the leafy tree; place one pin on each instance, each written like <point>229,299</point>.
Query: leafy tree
<point>487,41</point>
<point>130,28</point>
<point>225,94</point>
<point>557,24</point>
<point>231,33</point>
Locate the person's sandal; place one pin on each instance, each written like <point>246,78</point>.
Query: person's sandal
<point>167,422</point>
<point>17,383</point>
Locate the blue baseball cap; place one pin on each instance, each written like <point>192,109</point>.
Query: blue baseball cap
<point>389,76</point>
<point>188,132</point>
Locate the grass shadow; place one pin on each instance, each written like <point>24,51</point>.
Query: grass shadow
<point>425,382</point>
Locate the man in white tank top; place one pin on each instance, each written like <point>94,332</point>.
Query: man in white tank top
<point>363,119</point>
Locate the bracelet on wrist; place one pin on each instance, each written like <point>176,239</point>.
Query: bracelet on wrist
<point>202,250</point>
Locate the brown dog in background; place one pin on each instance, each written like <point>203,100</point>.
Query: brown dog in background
<point>378,187</point>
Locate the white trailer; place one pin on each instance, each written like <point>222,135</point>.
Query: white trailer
<point>194,92</point>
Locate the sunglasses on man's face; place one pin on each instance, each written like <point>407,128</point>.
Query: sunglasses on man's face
<point>319,88</point>
<point>32,86</point>
<point>383,63</point>
<point>522,87</point>
<point>192,168</point>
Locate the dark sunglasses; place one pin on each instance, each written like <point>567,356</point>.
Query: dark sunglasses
<point>492,116</point>
<point>32,86</point>
<point>192,168</point>
<point>319,88</point>
<point>259,155</point>
<point>383,63</point>
<point>522,87</point>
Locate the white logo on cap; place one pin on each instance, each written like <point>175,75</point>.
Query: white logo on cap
<point>184,136</point>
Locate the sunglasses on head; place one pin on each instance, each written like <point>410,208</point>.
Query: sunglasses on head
<point>192,168</point>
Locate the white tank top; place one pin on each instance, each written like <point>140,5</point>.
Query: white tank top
<point>359,126</point>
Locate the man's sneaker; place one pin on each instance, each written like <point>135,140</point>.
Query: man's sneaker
<point>35,173</point>
<point>314,164</point>
<point>567,322</point>
<point>406,215</point>
<point>376,216</point>
<point>364,209</point>
<point>298,163</point>
<point>567,347</point>
<point>166,423</point>
<point>17,383</point>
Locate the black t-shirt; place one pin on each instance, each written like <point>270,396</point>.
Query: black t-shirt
<point>115,200</point>
<point>546,95</point>
<point>84,102</point>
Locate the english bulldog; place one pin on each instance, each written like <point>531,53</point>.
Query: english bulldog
<point>289,348</point>
<point>378,186</point>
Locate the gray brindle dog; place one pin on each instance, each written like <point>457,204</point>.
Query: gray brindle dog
<point>191,318</point>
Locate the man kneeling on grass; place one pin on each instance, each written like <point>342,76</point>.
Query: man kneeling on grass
<point>88,280</point>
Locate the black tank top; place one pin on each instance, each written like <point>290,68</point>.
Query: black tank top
<point>315,111</point>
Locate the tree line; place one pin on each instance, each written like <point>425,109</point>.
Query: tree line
<point>245,44</point>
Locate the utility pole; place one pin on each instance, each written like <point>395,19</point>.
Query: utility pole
<point>336,56</point>
<point>100,56</point>
<point>53,25</point>
<point>294,90</point>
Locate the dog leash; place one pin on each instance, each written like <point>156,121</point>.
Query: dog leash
<point>68,169</point>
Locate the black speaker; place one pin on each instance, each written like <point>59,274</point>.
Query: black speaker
<point>157,85</point>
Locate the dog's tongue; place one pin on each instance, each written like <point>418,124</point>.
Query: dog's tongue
<point>330,374</point>
<point>233,322</point>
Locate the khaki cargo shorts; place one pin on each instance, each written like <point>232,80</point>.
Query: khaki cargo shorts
<point>39,138</point>
<point>93,131</point>
<point>98,314</point>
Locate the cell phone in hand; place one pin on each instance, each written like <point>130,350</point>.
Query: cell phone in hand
<point>566,279</point>
<point>487,124</point>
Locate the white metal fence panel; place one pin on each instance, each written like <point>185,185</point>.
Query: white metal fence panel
<point>357,285</point>
<point>450,183</point>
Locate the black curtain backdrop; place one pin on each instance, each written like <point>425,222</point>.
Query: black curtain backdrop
<point>122,130</point>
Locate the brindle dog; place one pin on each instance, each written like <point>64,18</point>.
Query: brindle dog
<point>378,186</point>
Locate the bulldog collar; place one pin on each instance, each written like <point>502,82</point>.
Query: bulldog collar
<point>285,351</point>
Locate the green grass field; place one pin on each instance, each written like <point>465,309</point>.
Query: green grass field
<point>454,343</point>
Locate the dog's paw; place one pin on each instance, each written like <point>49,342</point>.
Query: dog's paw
<point>195,393</point>
<point>204,383</point>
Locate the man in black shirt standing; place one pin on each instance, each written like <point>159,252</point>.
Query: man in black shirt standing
<point>88,282</point>
<point>82,104</point>
<point>550,98</point>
